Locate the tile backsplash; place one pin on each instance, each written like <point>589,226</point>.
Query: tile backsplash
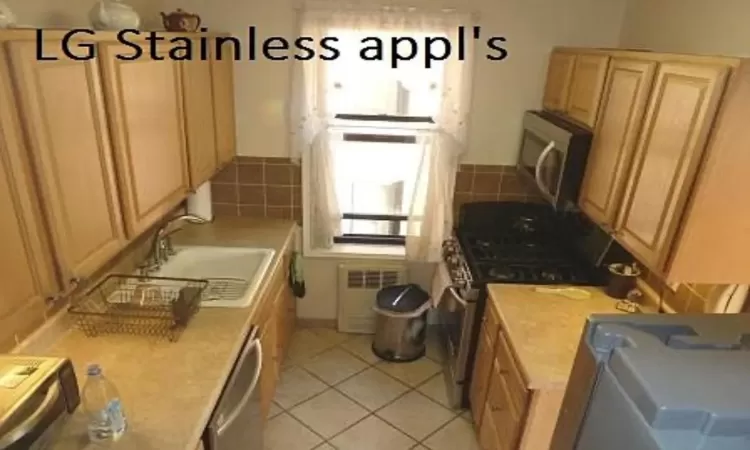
<point>272,187</point>
<point>259,187</point>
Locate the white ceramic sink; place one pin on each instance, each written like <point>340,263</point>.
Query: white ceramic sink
<point>234,273</point>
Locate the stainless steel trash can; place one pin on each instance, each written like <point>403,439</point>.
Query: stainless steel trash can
<point>400,327</point>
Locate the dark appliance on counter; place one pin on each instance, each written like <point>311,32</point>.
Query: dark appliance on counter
<point>509,242</point>
<point>659,382</point>
<point>553,156</point>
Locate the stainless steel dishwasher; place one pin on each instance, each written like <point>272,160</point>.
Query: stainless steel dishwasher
<point>237,422</point>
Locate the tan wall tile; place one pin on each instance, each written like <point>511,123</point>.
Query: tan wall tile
<point>279,195</point>
<point>250,174</point>
<point>225,210</point>
<point>486,183</point>
<point>227,175</point>
<point>279,212</point>
<point>252,195</point>
<point>464,182</point>
<point>224,193</point>
<point>280,175</point>
<point>252,211</point>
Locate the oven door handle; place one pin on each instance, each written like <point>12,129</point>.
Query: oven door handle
<point>538,169</point>
<point>456,296</point>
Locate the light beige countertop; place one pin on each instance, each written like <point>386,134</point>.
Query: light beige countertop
<point>169,389</point>
<point>544,329</point>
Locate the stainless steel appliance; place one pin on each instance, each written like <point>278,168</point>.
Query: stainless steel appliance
<point>237,422</point>
<point>508,242</point>
<point>553,156</point>
<point>659,382</point>
<point>37,397</point>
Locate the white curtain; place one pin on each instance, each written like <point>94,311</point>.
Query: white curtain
<point>430,219</point>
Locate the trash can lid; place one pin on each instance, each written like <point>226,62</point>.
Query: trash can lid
<point>402,298</point>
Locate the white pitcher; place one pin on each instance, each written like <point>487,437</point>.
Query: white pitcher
<point>113,15</point>
<point>7,18</point>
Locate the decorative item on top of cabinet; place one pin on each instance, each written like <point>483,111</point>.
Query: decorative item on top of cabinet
<point>559,75</point>
<point>113,15</point>
<point>7,18</point>
<point>66,125</point>
<point>623,106</point>
<point>222,73</point>
<point>587,82</point>
<point>144,101</point>
<point>199,119</point>
<point>679,117</point>
<point>181,21</point>
<point>27,274</point>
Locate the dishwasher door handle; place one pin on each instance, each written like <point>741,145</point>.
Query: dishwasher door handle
<point>232,417</point>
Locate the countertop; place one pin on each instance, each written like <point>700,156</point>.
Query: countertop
<point>168,389</point>
<point>544,330</point>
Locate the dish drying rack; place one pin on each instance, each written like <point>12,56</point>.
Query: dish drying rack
<point>125,304</point>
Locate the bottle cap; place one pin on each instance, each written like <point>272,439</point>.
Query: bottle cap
<point>94,370</point>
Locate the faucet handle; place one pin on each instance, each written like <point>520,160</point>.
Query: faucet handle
<point>168,247</point>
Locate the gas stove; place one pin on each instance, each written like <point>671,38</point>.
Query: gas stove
<point>517,243</point>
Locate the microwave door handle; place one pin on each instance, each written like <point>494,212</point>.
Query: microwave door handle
<point>538,169</point>
<point>33,421</point>
<point>249,393</point>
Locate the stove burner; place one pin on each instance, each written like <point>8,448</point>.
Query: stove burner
<point>551,275</point>
<point>503,273</point>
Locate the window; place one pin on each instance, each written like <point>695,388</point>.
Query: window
<point>381,117</point>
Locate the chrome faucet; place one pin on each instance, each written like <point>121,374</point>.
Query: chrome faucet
<point>161,248</point>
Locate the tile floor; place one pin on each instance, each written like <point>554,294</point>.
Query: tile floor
<point>335,394</point>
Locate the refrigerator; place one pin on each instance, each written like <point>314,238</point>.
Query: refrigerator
<point>659,382</point>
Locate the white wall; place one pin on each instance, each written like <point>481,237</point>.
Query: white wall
<point>688,26</point>
<point>503,89</point>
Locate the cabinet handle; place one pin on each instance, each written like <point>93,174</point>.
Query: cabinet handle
<point>496,408</point>
<point>73,284</point>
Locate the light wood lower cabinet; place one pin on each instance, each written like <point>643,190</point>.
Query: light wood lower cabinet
<point>67,134</point>
<point>670,148</point>
<point>27,274</point>
<point>623,107</point>
<point>144,103</point>
<point>276,330</point>
<point>197,92</point>
<point>480,380</point>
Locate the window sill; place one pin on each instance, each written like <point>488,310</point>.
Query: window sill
<point>359,251</point>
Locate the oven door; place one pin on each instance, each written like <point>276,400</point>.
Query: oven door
<point>542,161</point>
<point>456,320</point>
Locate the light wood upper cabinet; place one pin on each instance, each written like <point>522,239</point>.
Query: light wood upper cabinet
<point>586,84</point>
<point>623,107</point>
<point>144,102</point>
<point>224,117</point>
<point>669,150</point>
<point>559,76</point>
<point>67,133</point>
<point>199,119</point>
<point>27,274</point>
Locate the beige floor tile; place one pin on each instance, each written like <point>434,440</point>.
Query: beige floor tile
<point>416,415</point>
<point>283,432</point>
<point>413,373</point>
<point>361,347</point>
<point>421,447</point>
<point>305,344</point>
<point>334,366</point>
<point>296,386</point>
<point>372,434</point>
<point>325,446</point>
<point>331,336</point>
<point>372,388</point>
<point>457,434</point>
<point>274,411</point>
<point>435,389</point>
<point>329,413</point>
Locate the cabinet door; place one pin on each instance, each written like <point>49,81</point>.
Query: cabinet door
<point>488,436</point>
<point>27,275</point>
<point>623,106</point>
<point>480,378</point>
<point>223,89</point>
<point>678,119</point>
<point>64,114</point>
<point>586,86</point>
<point>269,373</point>
<point>199,119</point>
<point>559,75</point>
<point>144,101</point>
<point>507,420</point>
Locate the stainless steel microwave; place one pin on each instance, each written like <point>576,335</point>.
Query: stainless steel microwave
<point>553,156</point>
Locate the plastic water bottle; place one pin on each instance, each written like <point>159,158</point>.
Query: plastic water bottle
<point>103,406</point>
